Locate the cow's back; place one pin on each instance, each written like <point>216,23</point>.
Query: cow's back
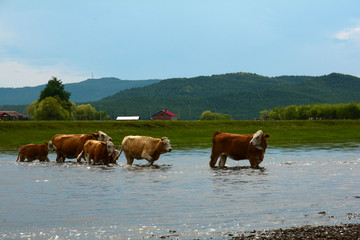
<point>136,145</point>
<point>33,151</point>
<point>70,146</point>
<point>234,145</point>
<point>96,150</point>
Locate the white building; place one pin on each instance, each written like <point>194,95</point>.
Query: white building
<point>128,118</point>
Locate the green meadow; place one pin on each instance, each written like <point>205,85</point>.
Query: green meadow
<point>181,133</point>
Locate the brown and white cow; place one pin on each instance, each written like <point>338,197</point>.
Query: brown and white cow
<point>35,151</point>
<point>142,147</point>
<point>70,146</point>
<point>100,152</point>
<point>238,147</point>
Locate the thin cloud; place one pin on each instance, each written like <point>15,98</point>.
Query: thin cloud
<point>348,34</point>
<point>16,74</point>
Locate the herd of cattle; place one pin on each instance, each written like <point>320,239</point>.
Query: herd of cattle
<point>98,148</point>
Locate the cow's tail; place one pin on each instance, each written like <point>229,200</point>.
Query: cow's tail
<point>18,156</point>
<point>80,156</point>
<point>121,150</point>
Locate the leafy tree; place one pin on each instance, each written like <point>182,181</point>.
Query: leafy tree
<point>85,112</point>
<point>316,111</point>
<point>51,109</point>
<point>54,88</point>
<point>208,115</point>
<point>264,114</point>
<point>31,109</point>
<point>291,112</point>
<point>276,113</point>
<point>53,103</point>
<point>101,115</point>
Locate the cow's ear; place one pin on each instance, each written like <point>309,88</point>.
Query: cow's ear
<point>95,135</point>
<point>46,143</point>
<point>266,135</point>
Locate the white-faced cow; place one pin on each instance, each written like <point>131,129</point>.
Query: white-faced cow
<point>238,147</point>
<point>100,152</point>
<point>70,146</point>
<point>142,147</point>
<point>35,151</point>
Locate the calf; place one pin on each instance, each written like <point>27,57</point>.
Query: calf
<point>70,146</point>
<point>100,152</point>
<point>238,147</point>
<point>141,147</point>
<point>35,151</point>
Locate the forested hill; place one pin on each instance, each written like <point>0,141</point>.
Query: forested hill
<point>88,90</point>
<point>242,95</point>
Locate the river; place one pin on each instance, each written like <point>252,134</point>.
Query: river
<point>180,197</point>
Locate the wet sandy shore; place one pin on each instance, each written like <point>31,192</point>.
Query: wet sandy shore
<point>344,231</point>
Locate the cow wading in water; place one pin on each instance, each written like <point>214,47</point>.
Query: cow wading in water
<point>70,146</point>
<point>238,147</point>
<point>35,151</point>
<point>100,152</point>
<point>142,147</point>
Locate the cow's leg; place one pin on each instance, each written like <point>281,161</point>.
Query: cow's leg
<point>60,158</point>
<point>149,158</point>
<point>222,161</point>
<point>57,158</point>
<point>86,157</point>
<point>22,158</point>
<point>47,159</point>
<point>213,158</point>
<point>253,163</point>
<point>95,160</point>
<point>129,159</point>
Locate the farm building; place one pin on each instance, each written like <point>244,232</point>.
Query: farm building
<point>164,115</point>
<point>128,118</point>
<point>12,116</point>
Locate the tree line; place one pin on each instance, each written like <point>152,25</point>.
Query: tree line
<point>208,115</point>
<point>54,104</point>
<point>313,111</point>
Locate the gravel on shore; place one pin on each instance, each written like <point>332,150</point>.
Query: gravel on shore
<point>343,231</point>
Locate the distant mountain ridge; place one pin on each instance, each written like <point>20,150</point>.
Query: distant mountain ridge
<point>242,95</point>
<point>88,90</point>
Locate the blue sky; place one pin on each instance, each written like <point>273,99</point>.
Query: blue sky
<point>159,39</point>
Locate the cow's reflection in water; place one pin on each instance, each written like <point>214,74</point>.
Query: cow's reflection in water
<point>240,177</point>
<point>147,167</point>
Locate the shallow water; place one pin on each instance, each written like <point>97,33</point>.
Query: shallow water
<point>180,197</point>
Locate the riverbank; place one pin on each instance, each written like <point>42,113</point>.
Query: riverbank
<point>344,231</point>
<point>184,133</point>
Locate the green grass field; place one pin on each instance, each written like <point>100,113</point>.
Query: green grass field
<point>181,133</point>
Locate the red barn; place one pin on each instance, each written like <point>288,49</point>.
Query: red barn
<point>164,115</point>
<point>11,116</point>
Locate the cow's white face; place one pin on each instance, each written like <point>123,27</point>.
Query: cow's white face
<point>256,140</point>
<point>167,145</point>
<point>104,137</point>
<point>115,155</point>
<point>110,148</point>
<point>51,146</point>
